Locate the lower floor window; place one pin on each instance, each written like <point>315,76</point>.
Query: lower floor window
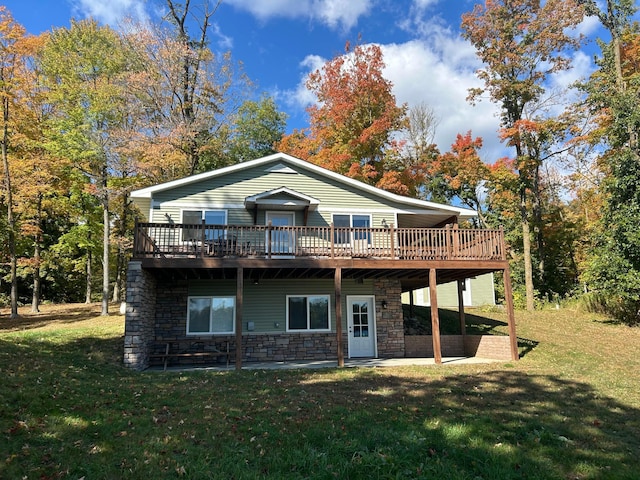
<point>211,315</point>
<point>310,312</point>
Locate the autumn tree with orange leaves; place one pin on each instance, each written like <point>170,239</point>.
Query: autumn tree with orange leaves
<point>11,35</point>
<point>521,43</point>
<point>351,126</point>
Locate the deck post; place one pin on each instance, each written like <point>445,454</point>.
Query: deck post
<point>202,240</point>
<point>392,240</point>
<point>239,301</point>
<point>338,293</point>
<point>463,326</point>
<point>511,320</point>
<point>435,319</point>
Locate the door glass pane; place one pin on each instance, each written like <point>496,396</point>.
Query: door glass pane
<point>318,313</point>
<point>281,241</point>
<point>222,314</point>
<point>199,314</point>
<point>297,313</point>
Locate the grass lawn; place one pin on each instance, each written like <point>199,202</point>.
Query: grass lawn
<point>569,409</point>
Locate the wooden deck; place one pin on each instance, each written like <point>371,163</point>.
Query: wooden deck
<point>169,241</point>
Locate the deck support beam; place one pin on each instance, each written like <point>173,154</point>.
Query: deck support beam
<point>239,302</point>
<point>337,281</point>
<point>435,318</point>
<point>511,319</point>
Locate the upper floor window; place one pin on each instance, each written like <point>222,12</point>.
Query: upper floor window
<point>356,222</point>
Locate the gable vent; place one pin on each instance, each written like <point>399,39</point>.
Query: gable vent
<point>280,168</point>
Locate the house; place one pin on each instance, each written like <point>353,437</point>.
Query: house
<point>477,291</point>
<point>278,259</point>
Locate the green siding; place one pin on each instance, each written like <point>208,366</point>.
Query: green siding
<point>482,290</point>
<point>265,303</point>
<point>482,293</point>
<point>229,191</point>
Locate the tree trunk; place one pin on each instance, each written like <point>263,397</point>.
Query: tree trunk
<point>37,247</point>
<point>538,229</point>
<point>105,243</point>
<point>526,251</point>
<point>11,223</point>
<point>89,273</point>
<point>118,288</point>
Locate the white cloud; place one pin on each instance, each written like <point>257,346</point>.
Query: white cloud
<point>333,13</point>
<point>438,73</point>
<point>112,12</point>
<point>421,73</point>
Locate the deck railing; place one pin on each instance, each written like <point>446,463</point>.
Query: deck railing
<point>269,241</point>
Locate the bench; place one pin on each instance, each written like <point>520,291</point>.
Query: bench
<point>166,354</point>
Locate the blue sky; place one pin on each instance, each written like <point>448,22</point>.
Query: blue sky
<point>281,41</point>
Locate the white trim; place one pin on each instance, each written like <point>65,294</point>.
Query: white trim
<point>196,205</point>
<point>211,298</point>
<point>149,191</point>
<point>389,211</point>
<point>312,330</point>
<point>372,325</point>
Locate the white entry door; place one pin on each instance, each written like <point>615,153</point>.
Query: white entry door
<point>362,326</point>
<point>281,242</point>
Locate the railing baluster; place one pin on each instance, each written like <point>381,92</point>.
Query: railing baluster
<point>152,239</point>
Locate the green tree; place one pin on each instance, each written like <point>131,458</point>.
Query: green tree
<point>613,91</point>
<point>11,61</point>
<point>85,66</point>
<point>257,129</point>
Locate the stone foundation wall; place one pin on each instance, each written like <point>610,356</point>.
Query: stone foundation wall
<point>484,346</point>
<point>389,320</point>
<point>139,317</point>
<point>170,325</point>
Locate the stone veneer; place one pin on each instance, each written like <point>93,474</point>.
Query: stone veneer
<point>157,315</point>
<point>139,316</point>
<point>389,320</point>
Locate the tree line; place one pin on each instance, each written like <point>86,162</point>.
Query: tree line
<point>91,113</point>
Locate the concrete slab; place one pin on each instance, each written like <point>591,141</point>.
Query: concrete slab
<point>348,363</point>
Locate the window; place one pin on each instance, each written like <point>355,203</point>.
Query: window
<point>207,315</point>
<point>210,217</point>
<point>309,312</point>
<point>352,221</point>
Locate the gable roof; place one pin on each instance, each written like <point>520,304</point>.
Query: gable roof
<point>272,198</point>
<point>286,165</point>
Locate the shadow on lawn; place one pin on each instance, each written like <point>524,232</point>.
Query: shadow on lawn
<point>494,424</point>
<point>80,412</point>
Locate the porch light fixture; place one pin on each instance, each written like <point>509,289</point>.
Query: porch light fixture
<point>384,304</point>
